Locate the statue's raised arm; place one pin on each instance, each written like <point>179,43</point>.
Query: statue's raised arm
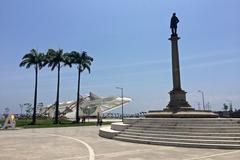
<point>173,24</point>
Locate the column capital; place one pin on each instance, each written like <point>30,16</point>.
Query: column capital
<point>174,38</point>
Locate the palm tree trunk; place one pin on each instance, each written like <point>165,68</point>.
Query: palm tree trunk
<point>35,96</point>
<point>57,100</point>
<point>78,95</point>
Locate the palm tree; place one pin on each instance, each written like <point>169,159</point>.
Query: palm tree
<point>33,59</point>
<point>83,61</point>
<point>55,59</point>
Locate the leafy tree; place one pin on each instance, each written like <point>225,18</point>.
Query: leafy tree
<point>225,107</point>
<point>56,59</point>
<point>83,61</point>
<point>34,59</point>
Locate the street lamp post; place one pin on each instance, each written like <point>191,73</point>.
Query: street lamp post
<point>88,112</point>
<point>202,99</point>
<point>122,99</point>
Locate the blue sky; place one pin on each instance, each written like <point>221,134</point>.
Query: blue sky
<point>129,43</point>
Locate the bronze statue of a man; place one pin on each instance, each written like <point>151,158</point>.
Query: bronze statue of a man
<point>173,24</point>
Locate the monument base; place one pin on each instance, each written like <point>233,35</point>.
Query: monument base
<point>180,114</point>
<point>178,102</point>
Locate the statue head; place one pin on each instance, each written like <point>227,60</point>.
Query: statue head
<point>174,14</point>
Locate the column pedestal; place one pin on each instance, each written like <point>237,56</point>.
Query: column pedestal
<point>178,102</point>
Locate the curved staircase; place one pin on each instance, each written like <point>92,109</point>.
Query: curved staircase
<point>184,132</point>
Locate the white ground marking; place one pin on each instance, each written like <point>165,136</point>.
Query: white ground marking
<point>213,155</point>
<point>69,158</point>
<point>90,149</point>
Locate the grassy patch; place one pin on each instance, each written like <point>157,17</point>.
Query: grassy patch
<point>47,123</point>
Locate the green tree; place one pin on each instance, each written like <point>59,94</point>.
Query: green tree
<point>56,59</point>
<point>34,59</point>
<point>225,107</point>
<point>83,61</point>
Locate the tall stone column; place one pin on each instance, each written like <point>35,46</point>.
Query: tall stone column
<point>177,95</point>
<point>175,63</point>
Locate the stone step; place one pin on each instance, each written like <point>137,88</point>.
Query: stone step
<point>208,141</point>
<point>181,144</point>
<point>166,135</point>
<point>189,119</point>
<point>188,130</point>
<point>237,120</point>
<point>192,126</point>
<point>192,122</point>
<point>183,120</point>
<point>188,127</point>
<point>187,123</point>
<point>230,134</point>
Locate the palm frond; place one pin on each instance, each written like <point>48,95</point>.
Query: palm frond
<point>53,66</point>
<point>28,65</point>
<point>28,56</point>
<point>87,67</point>
<point>23,63</point>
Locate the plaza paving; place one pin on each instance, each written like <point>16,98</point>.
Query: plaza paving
<point>83,143</point>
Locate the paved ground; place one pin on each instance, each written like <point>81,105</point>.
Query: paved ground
<point>83,143</point>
